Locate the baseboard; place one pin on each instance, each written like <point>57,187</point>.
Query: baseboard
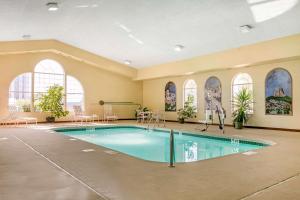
<point>68,121</point>
<point>187,122</point>
<point>254,127</point>
<point>275,129</point>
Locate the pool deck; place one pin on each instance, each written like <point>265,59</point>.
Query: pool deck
<point>38,164</point>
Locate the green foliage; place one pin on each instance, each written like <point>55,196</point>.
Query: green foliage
<point>242,104</point>
<point>141,109</point>
<point>279,105</point>
<point>24,104</point>
<point>188,111</point>
<point>287,99</point>
<point>52,102</point>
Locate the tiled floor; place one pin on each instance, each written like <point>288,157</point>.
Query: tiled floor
<point>38,164</point>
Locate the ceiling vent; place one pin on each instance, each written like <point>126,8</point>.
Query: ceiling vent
<point>52,6</point>
<point>245,28</point>
<point>127,62</point>
<point>178,47</point>
<point>26,37</point>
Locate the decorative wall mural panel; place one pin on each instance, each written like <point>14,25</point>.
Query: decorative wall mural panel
<point>213,93</point>
<point>279,100</point>
<point>170,97</point>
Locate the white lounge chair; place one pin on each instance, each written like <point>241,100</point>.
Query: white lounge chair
<point>143,116</point>
<point>80,116</point>
<point>13,118</point>
<point>108,114</point>
<point>157,117</point>
<point>29,120</point>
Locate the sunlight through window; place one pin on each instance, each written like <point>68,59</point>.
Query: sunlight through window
<point>239,82</point>
<point>264,10</point>
<point>74,93</point>
<point>190,92</point>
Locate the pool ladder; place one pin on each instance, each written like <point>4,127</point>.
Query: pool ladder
<point>157,121</point>
<point>172,149</point>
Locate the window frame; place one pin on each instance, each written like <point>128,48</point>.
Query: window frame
<point>251,84</point>
<point>34,91</point>
<point>75,93</point>
<point>29,92</point>
<point>191,88</point>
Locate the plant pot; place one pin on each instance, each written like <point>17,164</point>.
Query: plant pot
<point>238,125</point>
<point>50,119</point>
<point>181,121</point>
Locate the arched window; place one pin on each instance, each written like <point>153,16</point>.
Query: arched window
<point>47,73</point>
<point>240,81</point>
<point>190,92</point>
<point>213,93</point>
<point>75,93</point>
<point>20,92</point>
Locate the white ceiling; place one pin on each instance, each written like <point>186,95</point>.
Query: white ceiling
<point>146,31</point>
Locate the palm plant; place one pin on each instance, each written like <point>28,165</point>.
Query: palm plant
<point>188,111</point>
<point>242,104</point>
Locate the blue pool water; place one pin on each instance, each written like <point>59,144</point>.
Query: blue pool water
<point>154,145</point>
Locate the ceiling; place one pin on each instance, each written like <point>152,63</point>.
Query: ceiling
<point>146,31</point>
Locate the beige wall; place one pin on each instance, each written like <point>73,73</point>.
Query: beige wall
<point>263,52</point>
<point>98,84</point>
<point>107,80</point>
<point>153,93</point>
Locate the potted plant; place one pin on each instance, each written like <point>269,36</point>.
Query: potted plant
<point>141,109</point>
<point>51,102</point>
<point>141,113</point>
<point>242,104</point>
<point>188,111</point>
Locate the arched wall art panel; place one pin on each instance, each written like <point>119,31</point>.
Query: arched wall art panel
<point>279,98</point>
<point>213,93</point>
<point>170,97</point>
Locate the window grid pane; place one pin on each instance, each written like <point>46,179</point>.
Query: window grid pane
<point>190,90</point>
<point>240,82</point>
<point>20,92</point>
<point>75,94</point>
<point>47,74</point>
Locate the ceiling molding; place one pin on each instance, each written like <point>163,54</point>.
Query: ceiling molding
<point>276,50</point>
<point>57,47</point>
<point>260,53</point>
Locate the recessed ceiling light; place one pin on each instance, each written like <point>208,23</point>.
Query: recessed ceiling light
<point>127,62</point>
<point>245,28</point>
<point>241,65</point>
<point>87,6</point>
<point>26,37</point>
<point>189,73</point>
<point>52,6</point>
<point>178,47</point>
<point>135,39</point>
<point>82,6</point>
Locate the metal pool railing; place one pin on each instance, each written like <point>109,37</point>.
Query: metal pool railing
<point>172,153</point>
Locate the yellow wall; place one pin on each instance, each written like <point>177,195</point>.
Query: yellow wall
<point>107,80</point>
<point>153,93</point>
<point>263,52</point>
<point>98,84</point>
